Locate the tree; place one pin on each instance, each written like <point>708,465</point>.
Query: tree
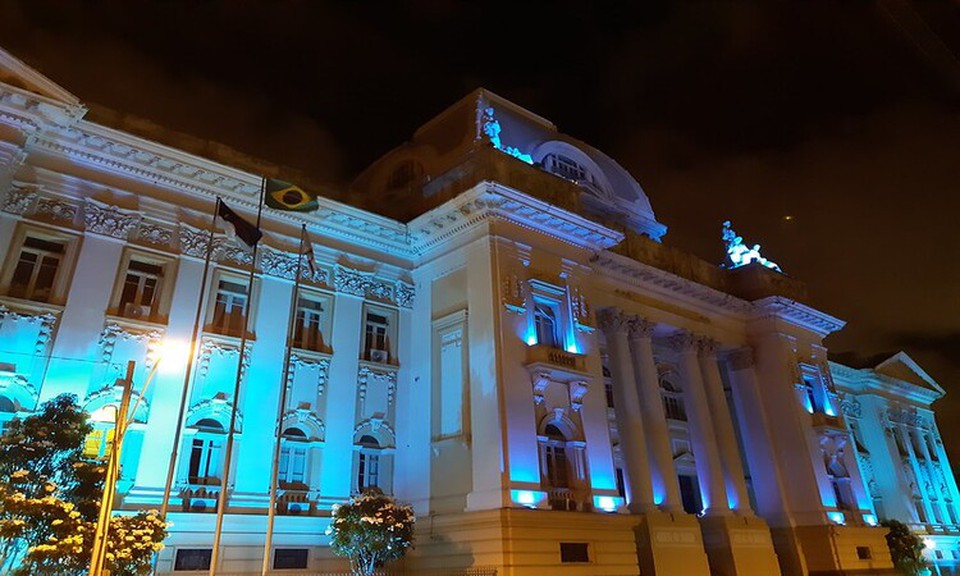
<point>371,530</point>
<point>50,497</point>
<point>906,548</point>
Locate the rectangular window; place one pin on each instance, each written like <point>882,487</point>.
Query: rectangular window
<point>547,325</point>
<point>290,558</point>
<point>307,330</point>
<point>690,494</point>
<point>673,406</point>
<point>231,300</point>
<point>140,294</point>
<point>36,269</point>
<point>557,469</point>
<point>863,553</point>
<point>621,485</point>
<point>571,552</point>
<point>193,559</point>
<point>376,344</point>
<point>368,471</point>
<point>293,464</point>
<point>204,461</point>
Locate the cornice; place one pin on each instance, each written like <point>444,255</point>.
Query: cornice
<point>158,164</point>
<point>493,201</point>
<point>31,112</point>
<point>644,275</point>
<point>867,381</point>
<point>797,314</point>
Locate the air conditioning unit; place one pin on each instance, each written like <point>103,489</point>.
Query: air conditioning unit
<point>136,311</point>
<point>379,356</point>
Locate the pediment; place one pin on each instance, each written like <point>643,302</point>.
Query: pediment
<point>901,367</point>
<point>16,73</point>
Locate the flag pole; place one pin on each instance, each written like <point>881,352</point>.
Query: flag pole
<point>171,466</point>
<point>282,405</point>
<point>228,456</point>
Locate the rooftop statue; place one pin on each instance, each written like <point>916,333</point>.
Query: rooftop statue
<point>740,254</point>
<point>491,129</point>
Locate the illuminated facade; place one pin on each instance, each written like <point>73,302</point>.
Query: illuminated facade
<point>494,333</point>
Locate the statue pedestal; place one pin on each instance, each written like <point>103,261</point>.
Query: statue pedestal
<point>739,546</point>
<point>670,543</point>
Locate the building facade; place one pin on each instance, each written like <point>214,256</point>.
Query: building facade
<point>494,332</point>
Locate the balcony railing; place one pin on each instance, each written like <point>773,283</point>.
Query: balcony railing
<point>557,358</point>
<point>566,499</point>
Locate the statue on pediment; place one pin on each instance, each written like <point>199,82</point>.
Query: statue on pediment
<point>740,254</point>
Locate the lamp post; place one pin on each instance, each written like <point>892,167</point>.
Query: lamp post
<point>124,416</point>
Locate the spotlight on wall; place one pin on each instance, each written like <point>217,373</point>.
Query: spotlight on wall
<point>870,519</point>
<point>837,518</point>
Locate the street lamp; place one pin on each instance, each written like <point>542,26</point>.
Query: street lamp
<point>124,416</point>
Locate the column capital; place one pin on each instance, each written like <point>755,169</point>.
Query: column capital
<point>707,345</point>
<point>684,341</point>
<point>640,327</point>
<point>613,321</point>
<point>741,358</point>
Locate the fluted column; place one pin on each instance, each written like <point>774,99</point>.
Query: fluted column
<point>705,450</point>
<point>666,490</point>
<point>723,426</point>
<point>627,409</point>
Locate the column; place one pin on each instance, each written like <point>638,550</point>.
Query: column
<point>666,490</point>
<point>700,423</point>
<point>723,426</point>
<point>626,402</point>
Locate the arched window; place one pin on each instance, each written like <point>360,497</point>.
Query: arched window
<point>292,472</point>
<point>205,460</point>
<point>545,322</point>
<point>558,470</point>
<point>368,471</point>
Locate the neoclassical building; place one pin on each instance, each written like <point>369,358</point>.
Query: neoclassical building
<point>496,331</point>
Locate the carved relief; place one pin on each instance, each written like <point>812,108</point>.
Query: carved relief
<point>851,407</point>
<point>578,389</point>
<point>379,290</point>
<point>351,280</point>
<point>210,347</point>
<point>45,321</point>
<point>404,294</point>
<point>708,346</point>
<point>56,210</point>
<point>217,408</point>
<point>684,341</point>
<point>235,253</point>
<point>580,310</point>
<point>19,199</point>
<point>113,332</point>
<point>304,418</point>
<point>109,220</point>
<point>513,296</point>
<point>154,234</point>
<point>194,242</point>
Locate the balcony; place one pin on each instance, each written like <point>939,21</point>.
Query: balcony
<point>560,364</point>
<point>827,423</point>
<point>295,503</point>
<point>567,500</point>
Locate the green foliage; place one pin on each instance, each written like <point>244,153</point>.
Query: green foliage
<point>50,497</point>
<point>906,548</point>
<point>371,530</point>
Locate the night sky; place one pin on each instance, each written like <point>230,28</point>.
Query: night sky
<point>842,116</point>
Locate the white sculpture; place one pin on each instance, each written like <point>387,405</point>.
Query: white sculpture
<point>491,129</point>
<point>740,254</point>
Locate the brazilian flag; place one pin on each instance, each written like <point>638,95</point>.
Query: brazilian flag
<point>282,195</point>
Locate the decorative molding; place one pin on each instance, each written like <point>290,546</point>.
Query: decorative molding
<point>194,242</point>
<point>282,264</point>
<point>217,408</point>
<point>304,417</point>
<point>20,198</point>
<point>351,281</point>
<point>368,374</point>
<point>236,253</point>
<point>708,346</point>
<point>377,423</point>
<point>155,234</point>
<point>109,220</point>
<point>211,345</point>
<point>47,322</point>
<point>797,314</point>
<point>56,210</point>
<point>110,393</point>
<point>303,360</point>
<point>404,294</point>
<point>113,331</point>
<point>646,276</point>
<point>492,201</point>
<point>514,295</point>
<point>578,389</point>
<point>851,407</point>
<point>580,310</point>
<point>541,380</point>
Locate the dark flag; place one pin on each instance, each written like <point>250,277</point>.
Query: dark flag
<point>290,197</point>
<point>246,231</point>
